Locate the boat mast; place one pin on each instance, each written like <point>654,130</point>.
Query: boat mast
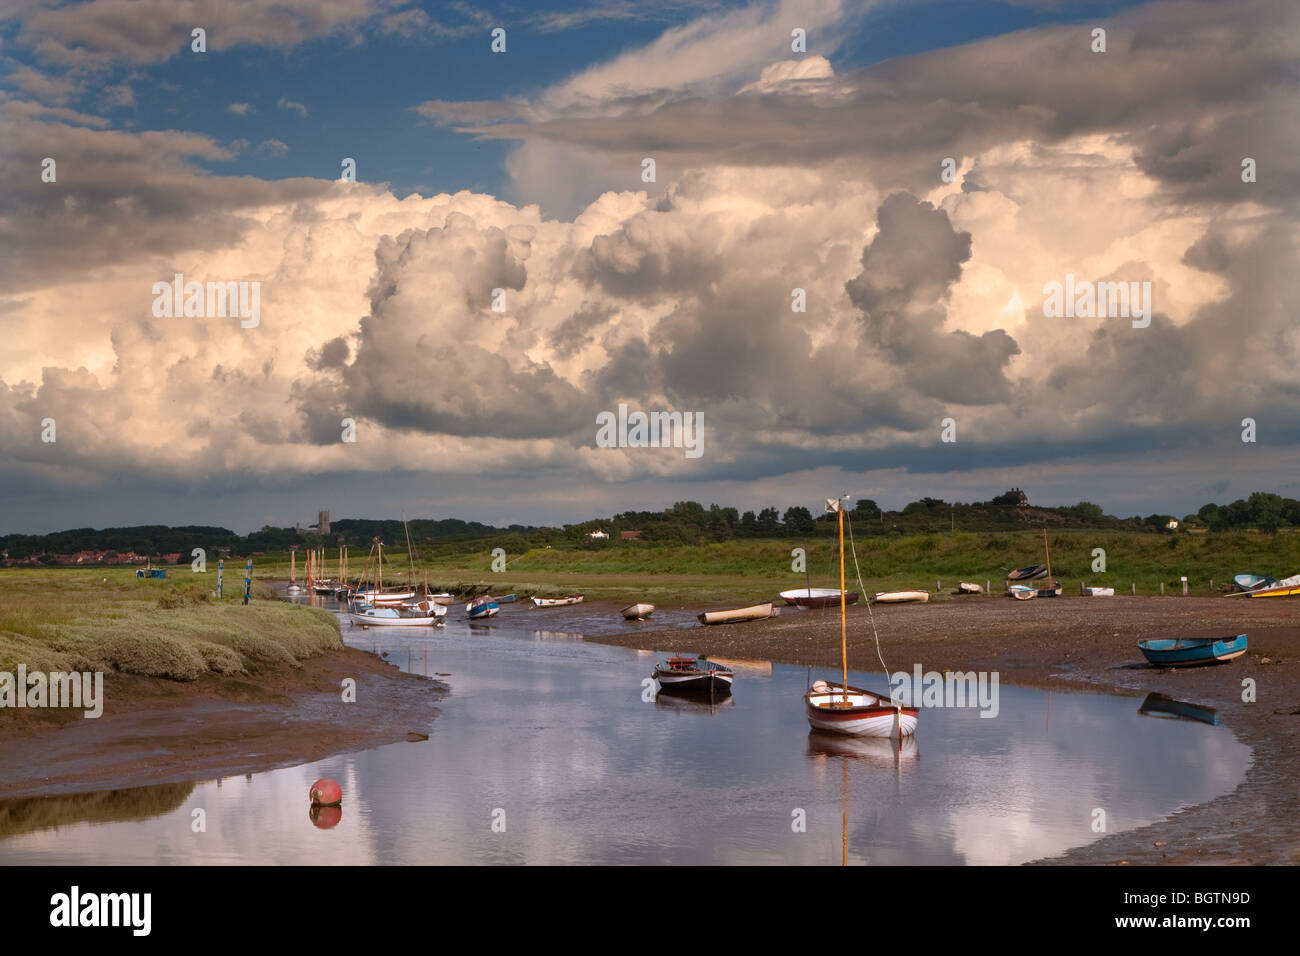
<point>1050,582</point>
<point>410,559</point>
<point>844,625</point>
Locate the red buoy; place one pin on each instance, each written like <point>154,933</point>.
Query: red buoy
<point>326,793</point>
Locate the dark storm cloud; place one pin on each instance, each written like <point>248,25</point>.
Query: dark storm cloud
<point>902,290</point>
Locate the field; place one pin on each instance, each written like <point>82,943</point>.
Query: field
<point>746,569</point>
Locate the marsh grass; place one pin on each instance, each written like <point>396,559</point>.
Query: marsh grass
<point>106,619</point>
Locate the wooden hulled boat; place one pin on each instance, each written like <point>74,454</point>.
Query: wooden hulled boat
<point>377,597</point>
<point>693,675</point>
<point>1193,651</point>
<point>1287,587</point>
<point>1051,592</point>
<point>481,607</point>
<point>807,598</point>
<point>737,615</point>
<point>445,598</point>
<point>842,709</point>
<point>902,597</point>
<point>371,616</point>
<point>1022,592</point>
<point>965,587</point>
<point>858,712</point>
<point>1031,573</point>
<point>1251,582</point>
<point>557,602</point>
<point>637,612</point>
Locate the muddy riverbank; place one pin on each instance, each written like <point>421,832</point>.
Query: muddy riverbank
<point>156,731</point>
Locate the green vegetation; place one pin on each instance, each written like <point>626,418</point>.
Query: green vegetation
<point>759,568</point>
<point>108,620</point>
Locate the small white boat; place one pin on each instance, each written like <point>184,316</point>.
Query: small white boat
<point>965,587</point>
<point>807,598</point>
<point>370,616</point>
<point>1022,592</point>
<point>858,713</point>
<point>371,596</point>
<point>294,589</point>
<point>902,597</point>
<point>444,598</point>
<point>637,612</point>
<point>736,615</point>
<point>1096,592</point>
<point>557,602</point>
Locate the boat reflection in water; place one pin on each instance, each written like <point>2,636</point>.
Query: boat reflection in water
<point>694,703</point>
<point>883,752</point>
<point>1158,705</point>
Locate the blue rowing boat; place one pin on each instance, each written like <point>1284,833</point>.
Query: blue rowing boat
<point>1193,651</point>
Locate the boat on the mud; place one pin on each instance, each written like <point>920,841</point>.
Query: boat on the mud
<point>481,607</point>
<point>816,597</point>
<point>1193,651</point>
<point>737,615</point>
<point>507,599</point>
<point>1251,582</point>
<point>1087,591</point>
<point>1022,592</point>
<point>966,587</point>
<point>557,602</point>
<point>637,612</point>
<point>1031,573</point>
<point>902,597</point>
<point>693,675</point>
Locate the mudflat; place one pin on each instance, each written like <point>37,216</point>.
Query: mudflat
<point>156,731</point>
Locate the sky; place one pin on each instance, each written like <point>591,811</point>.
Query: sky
<point>841,261</point>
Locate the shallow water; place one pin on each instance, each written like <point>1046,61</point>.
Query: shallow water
<point>549,735</point>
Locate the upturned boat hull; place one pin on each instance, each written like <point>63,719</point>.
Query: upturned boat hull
<point>737,615</point>
<point>902,597</point>
<point>637,612</point>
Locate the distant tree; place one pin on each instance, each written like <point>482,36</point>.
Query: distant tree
<point>866,508</point>
<point>1014,497</point>
<point>769,523</point>
<point>798,520</point>
<point>1087,511</point>
<point>1212,516</point>
<point>748,525</point>
<point>1265,511</point>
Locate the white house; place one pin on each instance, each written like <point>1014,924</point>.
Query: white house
<point>1172,525</point>
<point>598,534</point>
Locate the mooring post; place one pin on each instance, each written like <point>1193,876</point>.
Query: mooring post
<point>1134,587</point>
<point>1184,579</point>
<point>1162,588</point>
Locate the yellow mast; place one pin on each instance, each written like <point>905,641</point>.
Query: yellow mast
<point>1050,583</point>
<point>844,625</point>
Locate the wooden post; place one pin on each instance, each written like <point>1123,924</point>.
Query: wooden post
<point>1134,587</point>
<point>1162,588</point>
<point>1184,585</point>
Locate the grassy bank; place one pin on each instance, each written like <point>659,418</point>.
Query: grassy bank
<point>102,619</point>
<point>751,568</point>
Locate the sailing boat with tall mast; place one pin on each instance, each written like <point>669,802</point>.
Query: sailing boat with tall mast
<point>1053,589</point>
<point>841,709</point>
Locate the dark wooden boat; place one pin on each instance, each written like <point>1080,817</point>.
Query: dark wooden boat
<point>693,675</point>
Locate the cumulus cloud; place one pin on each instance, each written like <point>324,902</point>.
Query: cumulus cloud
<point>923,296</point>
